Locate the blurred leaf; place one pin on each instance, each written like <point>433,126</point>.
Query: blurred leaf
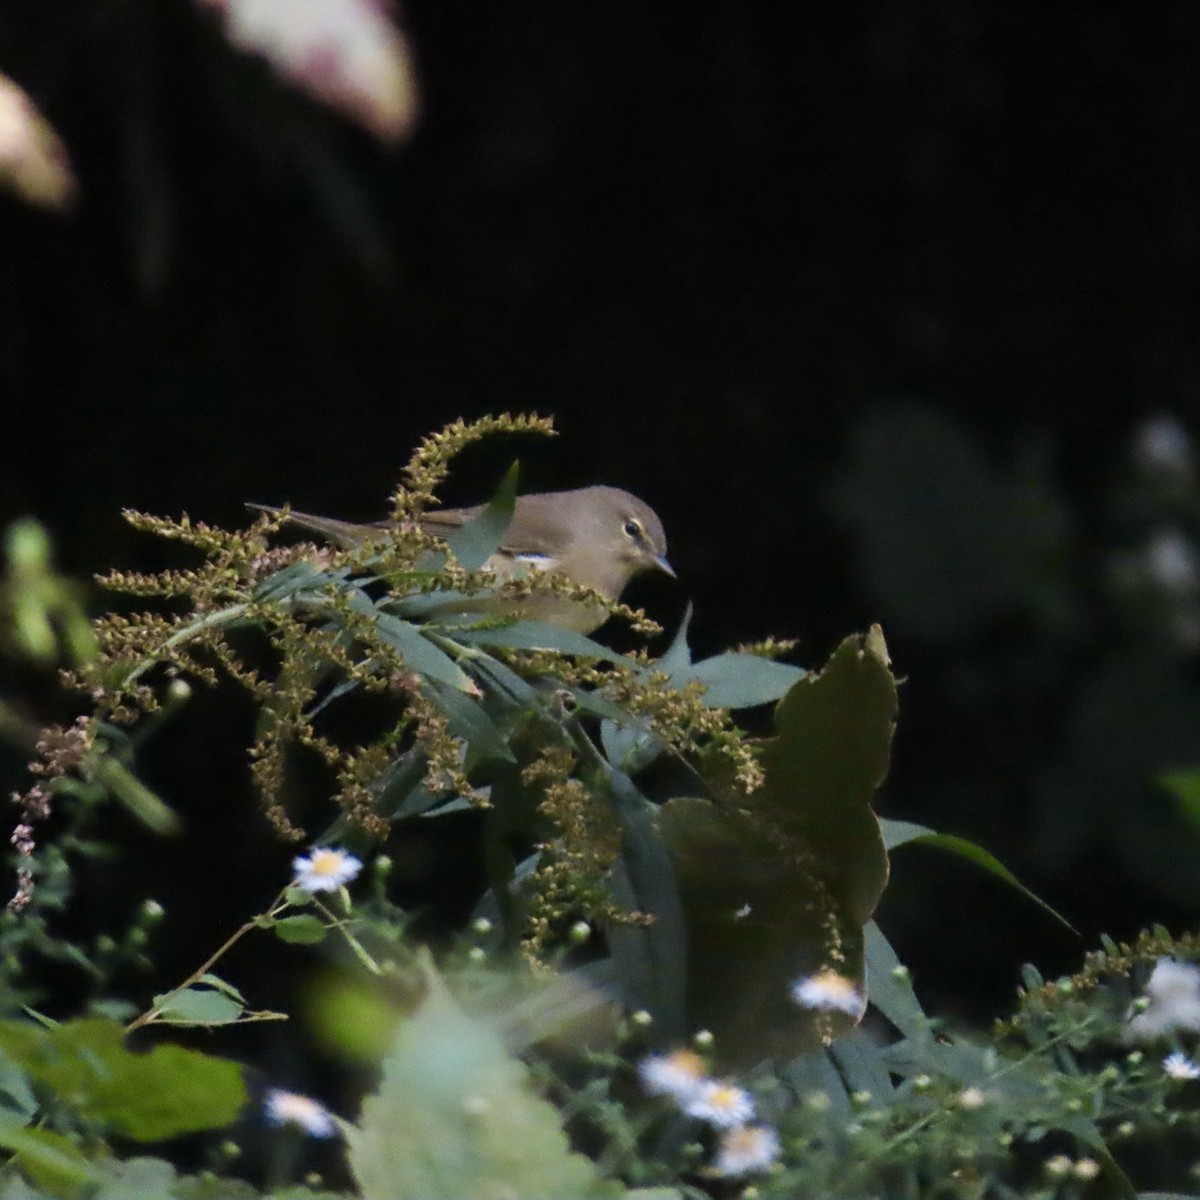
<point>353,1017</point>
<point>137,798</point>
<point>901,833</point>
<point>858,1059</point>
<point>782,885</point>
<point>456,1118</point>
<point>162,1093</point>
<point>1184,786</point>
<point>139,1179</point>
<point>50,1159</point>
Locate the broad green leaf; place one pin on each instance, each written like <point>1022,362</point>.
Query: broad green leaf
<point>480,538</point>
<point>741,680</point>
<point>161,1093</point>
<point>456,1118</point>
<point>301,930</point>
<point>651,960</point>
<point>781,885</point>
<point>901,833</point>
<point>198,1006</point>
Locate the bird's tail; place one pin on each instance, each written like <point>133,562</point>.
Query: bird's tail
<point>345,534</point>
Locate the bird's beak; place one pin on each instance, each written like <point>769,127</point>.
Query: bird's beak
<point>661,563</point>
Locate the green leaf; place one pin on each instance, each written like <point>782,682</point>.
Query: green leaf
<point>1184,786</point>
<point>901,833</point>
<point>456,1118</point>
<point>50,1159</point>
<point>815,1074</point>
<point>537,635</point>
<point>223,985</point>
<point>140,1179</point>
<point>890,992</point>
<point>302,930</point>
<point>468,720</point>
<point>782,885</point>
<point>741,680</point>
<point>133,794</point>
<point>862,1066</point>
<point>420,653</point>
<point>197,1006</point>
<point>480,538</point>
<point>678,656</point>
<point>291,579</point>
<point>651,960</point>
<point>162,1093</point>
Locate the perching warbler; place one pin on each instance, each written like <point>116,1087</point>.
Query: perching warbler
<point>598,537</point>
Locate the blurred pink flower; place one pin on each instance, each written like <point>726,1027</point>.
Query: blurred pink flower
<point>33,160</point>
<point>346,53</point>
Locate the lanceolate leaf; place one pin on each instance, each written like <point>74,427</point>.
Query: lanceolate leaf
<point>536,635</point>
<point>650,958</point>
<point>480,538</point>
<point>901,833</point>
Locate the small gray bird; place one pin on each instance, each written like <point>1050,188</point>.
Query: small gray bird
<point>599,537</point>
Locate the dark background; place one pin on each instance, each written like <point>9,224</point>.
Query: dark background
<point>868,300</point>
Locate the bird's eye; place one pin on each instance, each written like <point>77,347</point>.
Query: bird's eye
<point>633,529</point>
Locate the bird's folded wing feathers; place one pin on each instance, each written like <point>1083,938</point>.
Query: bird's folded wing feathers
<point>519,542</point>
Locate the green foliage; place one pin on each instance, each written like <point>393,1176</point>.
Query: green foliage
<point>721,888</point>
<point>782,884</point>
<point>455,1118</point>
<point>84,1067</point>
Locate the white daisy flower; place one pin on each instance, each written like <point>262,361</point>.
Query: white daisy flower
<point>721,1104</point>
<point>830,992</point>
<point>746,1148</point>
<point>1179,1066</point>
<point>1173,992</point>
<point>290,1108</point>
<point>325,870</point>
<point>677,1075</point>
